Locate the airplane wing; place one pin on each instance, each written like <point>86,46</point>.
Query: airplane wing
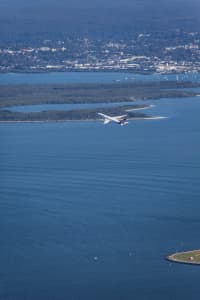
<point>106,118</point>
<point>102,115</point>
<point>120,117</point>
<point>106,121</point>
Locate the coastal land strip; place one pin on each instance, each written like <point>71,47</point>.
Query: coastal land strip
<point>38,94</point>
<point>187,257</point>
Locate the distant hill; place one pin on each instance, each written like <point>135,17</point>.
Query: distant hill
<point>20,18</point>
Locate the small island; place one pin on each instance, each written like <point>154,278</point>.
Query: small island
<point>187,257</point>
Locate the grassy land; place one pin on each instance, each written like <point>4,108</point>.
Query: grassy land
<point>190,257</point>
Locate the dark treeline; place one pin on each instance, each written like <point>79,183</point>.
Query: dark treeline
<point>11,95</point>
<point>14,95</point>
<point>79,114</point>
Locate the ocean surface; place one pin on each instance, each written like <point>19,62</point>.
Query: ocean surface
<point>89,211</point>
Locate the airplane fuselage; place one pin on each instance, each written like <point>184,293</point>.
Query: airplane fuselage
<point>121,120</point>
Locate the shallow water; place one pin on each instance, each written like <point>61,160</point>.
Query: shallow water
<point>90,77</point>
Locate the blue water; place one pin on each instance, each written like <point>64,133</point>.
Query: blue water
<point>89,77</point>
<point>89,211</point>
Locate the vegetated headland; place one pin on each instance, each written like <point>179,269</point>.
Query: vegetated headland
<point>17,95</point>
<point>187,257</point>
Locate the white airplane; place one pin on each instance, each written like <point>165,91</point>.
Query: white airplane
<point>121,120</point>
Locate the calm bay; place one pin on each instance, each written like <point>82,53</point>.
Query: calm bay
<point>89,211</point>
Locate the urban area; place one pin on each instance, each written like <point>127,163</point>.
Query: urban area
<point>165,53</point>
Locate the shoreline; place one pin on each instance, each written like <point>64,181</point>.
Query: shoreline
<point>185,257</point>
<point>88,71</point>
<point>78,120</point>
<point>131,71</point>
